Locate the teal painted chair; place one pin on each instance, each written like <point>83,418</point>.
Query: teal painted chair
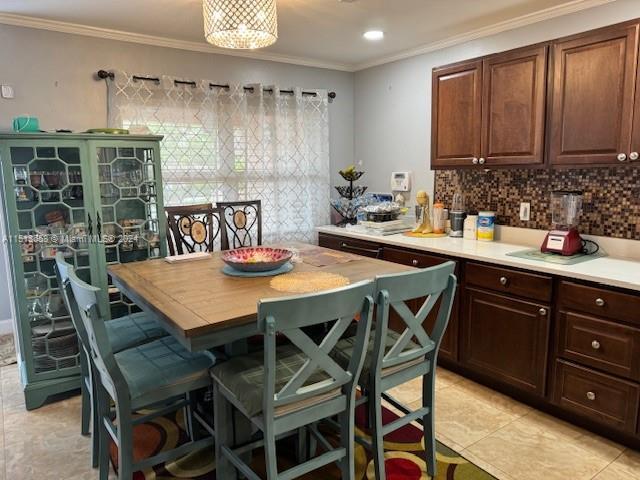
<point>394,358</point>
<point>123,333</point>
<point>158,376</point>
<point>287,389</point>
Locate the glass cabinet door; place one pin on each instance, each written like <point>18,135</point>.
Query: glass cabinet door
<point>129,220</point>
<point>46,199</point>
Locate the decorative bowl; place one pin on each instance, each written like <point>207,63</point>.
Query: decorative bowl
<point>256,259</point>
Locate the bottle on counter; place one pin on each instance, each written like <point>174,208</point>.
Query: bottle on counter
<point>486,226</point>
<point>439,220</point>
<point>457,216</point>
<point>471,227</point>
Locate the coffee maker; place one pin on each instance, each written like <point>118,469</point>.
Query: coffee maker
<point>566,207</point>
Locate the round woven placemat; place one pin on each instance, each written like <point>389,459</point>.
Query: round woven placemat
<point>308,282</point>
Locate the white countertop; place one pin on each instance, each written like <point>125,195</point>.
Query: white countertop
<point>615,272</point>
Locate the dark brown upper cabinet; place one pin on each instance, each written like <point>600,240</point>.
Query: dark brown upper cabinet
<point>594,75</point>
<point>513,107</point>
<point>490,112</point>
<point>456,114</point>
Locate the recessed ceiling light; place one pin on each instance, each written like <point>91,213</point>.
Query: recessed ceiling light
<point>374,35</point>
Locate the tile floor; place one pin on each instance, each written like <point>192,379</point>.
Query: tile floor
<point>506,438</point>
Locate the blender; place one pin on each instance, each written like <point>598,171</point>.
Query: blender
<point>564,238</point>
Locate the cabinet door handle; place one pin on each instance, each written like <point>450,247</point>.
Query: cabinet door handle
<point>360,249</point>
<point>414,262</point>
<point>474,161</point>
<point>481,161</point>
<point>542,311</point>
<point>90,224</point>
<point>622,157</point>
<point>600,302</point>
<point>504,280</point>
<point>595,345</point>
<point>591,396</point>
<point>98,224</point>
<point>634,156</point>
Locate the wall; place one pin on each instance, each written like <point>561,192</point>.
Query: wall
<point>53,78</point>
<point>393,101</point>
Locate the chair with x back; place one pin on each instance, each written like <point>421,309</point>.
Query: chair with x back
<point>161,373</point>
<point>243,221</point>
<point>122,333</point>
<point>291,387</point>
<point>195,228</point>
<point>395,358</point>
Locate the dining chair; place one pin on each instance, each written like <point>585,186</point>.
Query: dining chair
<point>289,388</point>
<point>244,222</point>
<point>122,333</point>
<point>195,228</point>
<point>393,358</point>
<point>158,376</point>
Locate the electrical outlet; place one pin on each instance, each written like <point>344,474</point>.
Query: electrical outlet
<point>525,211</point>
<point>6,91</point>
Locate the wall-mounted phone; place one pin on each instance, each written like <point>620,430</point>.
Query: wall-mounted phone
<point>400,181</point>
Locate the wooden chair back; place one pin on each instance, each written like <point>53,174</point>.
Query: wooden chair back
<point>244,222</point>
<point>84,300</point>
<point>289,315</point>
<point>62,275</point>
<point>195,228</point>
<point>392,291</point>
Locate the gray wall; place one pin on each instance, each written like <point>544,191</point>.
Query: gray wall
<point>52,74</point>
<point>393,101</point>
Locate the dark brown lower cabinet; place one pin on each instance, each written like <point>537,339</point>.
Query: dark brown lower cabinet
<point>506,339</point>
<point>597,396</point>
<point>499,334</point>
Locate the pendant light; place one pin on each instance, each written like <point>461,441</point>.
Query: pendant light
<point>240,24</point>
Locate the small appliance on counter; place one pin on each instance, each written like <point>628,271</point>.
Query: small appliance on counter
<point>457,216</point>
<point>566,207</point>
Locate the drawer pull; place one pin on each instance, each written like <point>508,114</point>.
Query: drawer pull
<point>542,311</point>
<point>504,280</point>
<point>595,345</point>
<point>414,262</point>
<point>600,302</point>
<point>591,396</point>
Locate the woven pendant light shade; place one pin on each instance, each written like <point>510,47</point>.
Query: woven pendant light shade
<point>240,24</point>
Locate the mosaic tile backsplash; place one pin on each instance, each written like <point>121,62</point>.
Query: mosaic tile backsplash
<point>611,203</point>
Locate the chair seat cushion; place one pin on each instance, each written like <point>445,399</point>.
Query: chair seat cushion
<point>163,368</point>
<point>344,350</point>
<point>132,330</point>
<point>243,376</point>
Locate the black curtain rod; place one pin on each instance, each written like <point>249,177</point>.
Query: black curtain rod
<point>104,74</point>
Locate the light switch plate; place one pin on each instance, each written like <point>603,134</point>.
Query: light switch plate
<point>525,211</point>
<point>6,91</point>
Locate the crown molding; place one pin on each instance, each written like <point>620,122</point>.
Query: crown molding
<point>513,23</point>
<point>77,29</point>
<point>106,33</point>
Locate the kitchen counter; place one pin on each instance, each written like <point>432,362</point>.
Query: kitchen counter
<point>610,271</point>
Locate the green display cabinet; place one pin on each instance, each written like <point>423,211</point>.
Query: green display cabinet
<point>98,199</point>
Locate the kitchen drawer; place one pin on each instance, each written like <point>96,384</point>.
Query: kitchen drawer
<point>600,301</point>
<point>598,396</point>
<point>605,345</point>
<point>359,247</point>
<point>405,257</point>
<point>528,285</point>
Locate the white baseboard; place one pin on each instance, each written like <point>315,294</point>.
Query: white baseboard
<point>6,326</point>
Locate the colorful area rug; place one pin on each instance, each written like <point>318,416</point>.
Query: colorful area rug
<point>404,454</point>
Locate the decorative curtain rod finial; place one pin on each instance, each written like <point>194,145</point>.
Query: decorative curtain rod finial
<point>103,75</point>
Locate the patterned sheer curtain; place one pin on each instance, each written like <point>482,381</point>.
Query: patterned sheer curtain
<point>236,143</point>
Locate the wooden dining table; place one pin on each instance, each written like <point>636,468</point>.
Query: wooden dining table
<point>206,308</point>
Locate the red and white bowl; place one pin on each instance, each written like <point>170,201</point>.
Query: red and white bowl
<point>256,259</point>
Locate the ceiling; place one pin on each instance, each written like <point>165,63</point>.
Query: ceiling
<point>325,33</point>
